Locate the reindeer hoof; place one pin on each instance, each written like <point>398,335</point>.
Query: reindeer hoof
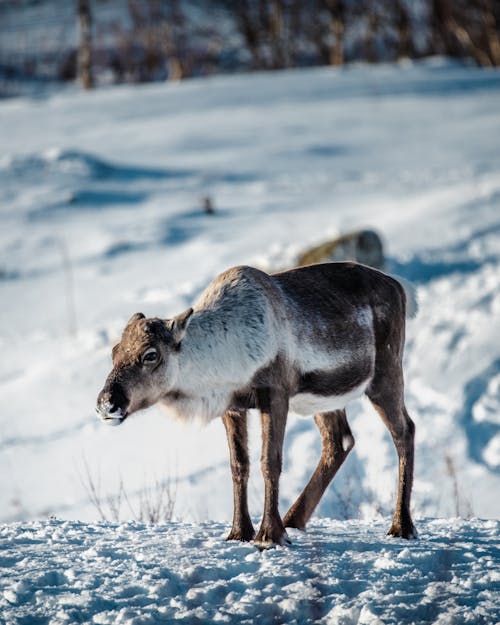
<point>241,534</point>
<point>291,521</point>
<point>403,530</point>
<point>263,545</point>
<point>268,540</point>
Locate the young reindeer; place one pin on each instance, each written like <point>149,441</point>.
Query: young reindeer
<point>309,340</point>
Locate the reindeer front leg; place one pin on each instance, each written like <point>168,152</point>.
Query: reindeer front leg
<point>237,437</point>
<point>274,413</point>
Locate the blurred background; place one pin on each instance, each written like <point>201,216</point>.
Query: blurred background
<point>117,41</point>
<point>146,146</point>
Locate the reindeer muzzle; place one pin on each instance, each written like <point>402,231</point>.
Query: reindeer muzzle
<point>109,409</point>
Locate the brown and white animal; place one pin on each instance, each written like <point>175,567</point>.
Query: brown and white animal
<point>308,340</point>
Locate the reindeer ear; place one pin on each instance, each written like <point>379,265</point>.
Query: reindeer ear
<point>178,325</point>
<point>135,318</point>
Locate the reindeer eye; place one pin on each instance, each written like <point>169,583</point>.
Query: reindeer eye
<point>150,356</point>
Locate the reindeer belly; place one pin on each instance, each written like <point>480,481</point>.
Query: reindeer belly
<point>326,390</point>
<point>307,404</point>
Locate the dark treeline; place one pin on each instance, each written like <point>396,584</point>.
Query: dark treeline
<point>173,39</point>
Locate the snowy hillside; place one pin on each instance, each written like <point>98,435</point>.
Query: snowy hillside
<point>101,216</point>
<point>339,573</point>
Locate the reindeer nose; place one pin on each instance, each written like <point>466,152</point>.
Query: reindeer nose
<point>112,400</point>
<point>105,404</point>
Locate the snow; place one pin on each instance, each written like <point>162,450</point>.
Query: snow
<point>100,202</point>
<point>101,199</point>
<point>101,210</point>
<point>339,572</point>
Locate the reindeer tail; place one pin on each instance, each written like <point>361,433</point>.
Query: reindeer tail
<point>411,296</point>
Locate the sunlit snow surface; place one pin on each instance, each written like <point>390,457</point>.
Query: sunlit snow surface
<point>339,573</point>
<point>104,191</point>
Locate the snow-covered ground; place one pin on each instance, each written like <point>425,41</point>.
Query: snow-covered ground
<point>339,573</point>
<point>100,208</point>
<point>101,216</point>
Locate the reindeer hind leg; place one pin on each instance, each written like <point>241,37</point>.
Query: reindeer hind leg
<point>337,441</point>
<point>391,408</point>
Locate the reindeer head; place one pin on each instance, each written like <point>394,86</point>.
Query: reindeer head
<point>145,366</point>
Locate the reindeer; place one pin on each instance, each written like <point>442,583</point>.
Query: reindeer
<point>310,340</point>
